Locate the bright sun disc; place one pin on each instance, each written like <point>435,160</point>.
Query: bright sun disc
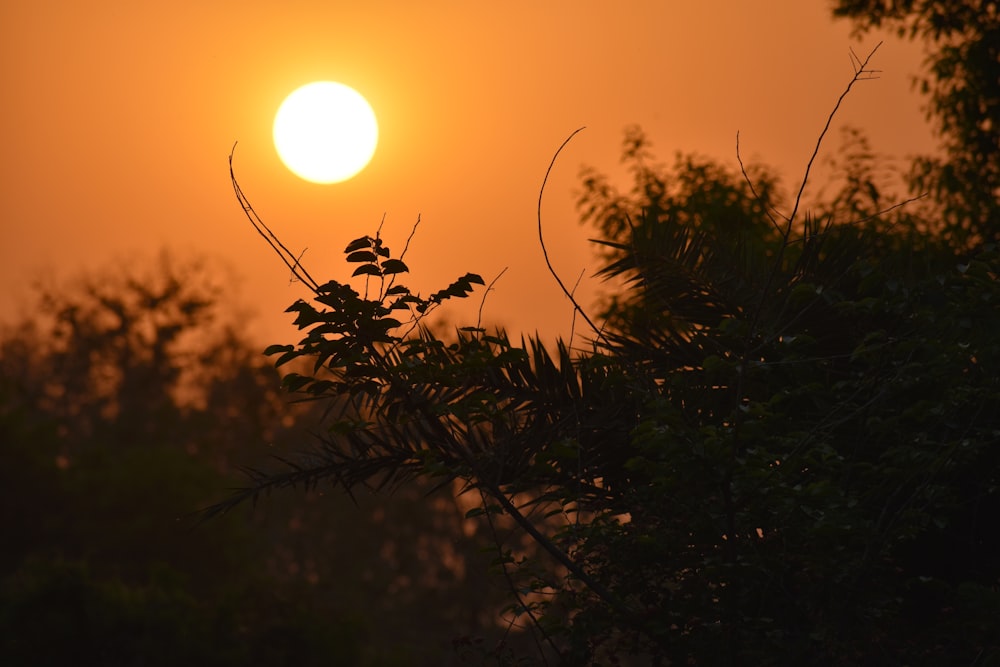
<point>325,132</point>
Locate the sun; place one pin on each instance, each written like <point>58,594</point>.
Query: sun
<point>325,132</point>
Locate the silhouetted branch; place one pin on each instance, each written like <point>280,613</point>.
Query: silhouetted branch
<point>860,68</point>
<point>572,326</point>
<point>541,239</point>
<point>561,557</point>
<point>482,303</point>
<point>409,238</point>
<point>286,255</point>
<point>753,190</point>
<point>510,582</point>
<point>298,262</point>
<point>868,218</point>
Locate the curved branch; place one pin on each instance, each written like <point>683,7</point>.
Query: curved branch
<point>486,293</point>
<point>286,255</point>
<point>541,240</point>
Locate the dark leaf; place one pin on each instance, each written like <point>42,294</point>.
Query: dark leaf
<point>368,269</point>
<point>391,266</point>
<point>358,244</point>
<point>362,256</point>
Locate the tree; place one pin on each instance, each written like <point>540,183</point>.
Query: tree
<point>963,88</point>
<point>761,462</point>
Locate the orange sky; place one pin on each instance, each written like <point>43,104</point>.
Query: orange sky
<point>119,117</point>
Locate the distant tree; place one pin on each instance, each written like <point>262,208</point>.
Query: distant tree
<point>125,402</point>
<point>962,39</point>
<point>104,390</point>
<point>113,435</point>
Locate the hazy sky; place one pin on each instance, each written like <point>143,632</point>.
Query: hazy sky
<point>119,118</point>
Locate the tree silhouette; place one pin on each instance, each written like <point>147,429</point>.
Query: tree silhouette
<point>759,458</point>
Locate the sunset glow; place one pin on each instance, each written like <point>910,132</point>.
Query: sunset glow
<point>136,147</point>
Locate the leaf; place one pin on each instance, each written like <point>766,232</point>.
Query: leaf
<point>369,269</point>
<point>458,289</point>
<point>362,256</point>
<point>321,387</point>
<point>391,266</point>
<point>358,244</point>
<point>294,381</point>
<point>275,349</point>
<point>400,303</point>
<point>332,286</point>
<point>307,314</point>
<point>287,356</point>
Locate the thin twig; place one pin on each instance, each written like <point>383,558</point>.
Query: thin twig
<point>786,233</point>
<point>392,279</point>
<point>410,238</point>
<point>298,261</point>
<point>572,324</point>
<point>867,218</point>
<point>753,190</point>
<point>859,70</point>
<point>482,303</point>
<point>629,615</point>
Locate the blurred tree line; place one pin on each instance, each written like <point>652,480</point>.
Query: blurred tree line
<point>126,401</point>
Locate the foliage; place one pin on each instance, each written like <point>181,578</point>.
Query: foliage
<point>963,88</point>
<point>778,448</point>
<point>695,193</point>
